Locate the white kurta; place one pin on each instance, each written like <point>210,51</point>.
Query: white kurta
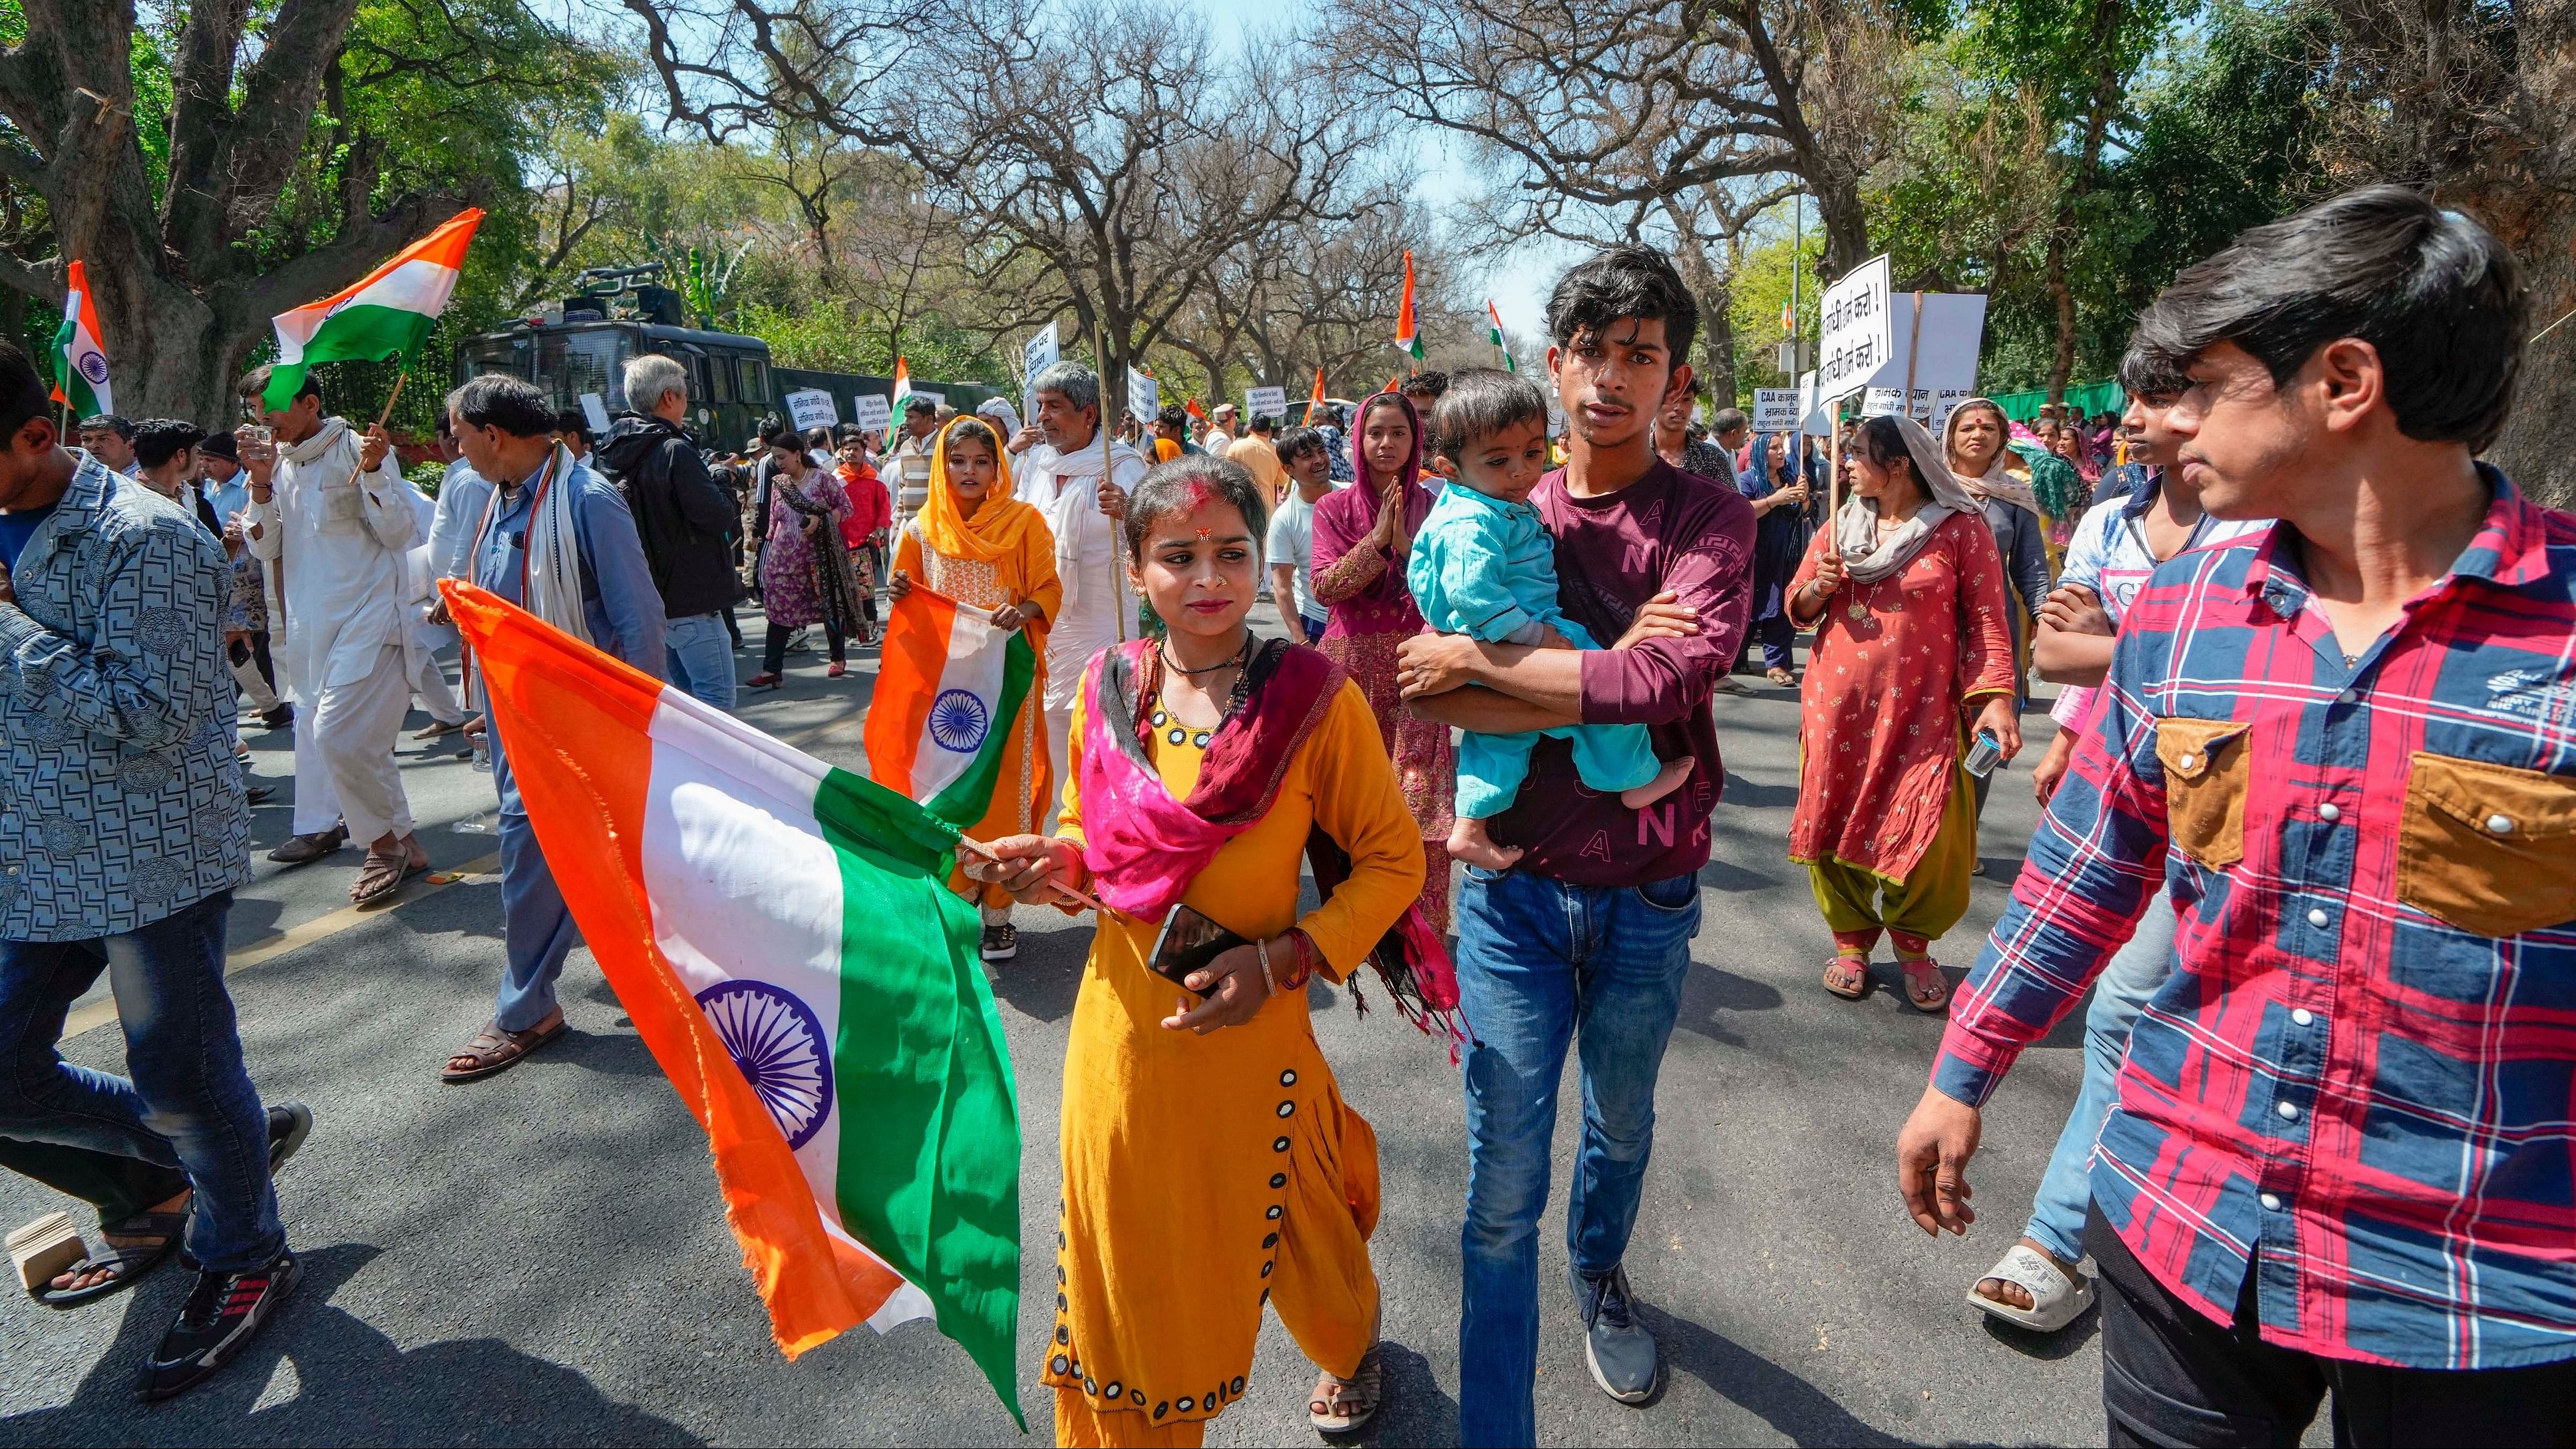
<point>344,542</point>
<point>1098,609</point>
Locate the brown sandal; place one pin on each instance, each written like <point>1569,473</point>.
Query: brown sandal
<point>1926,989</point>
<point>1345,1406</point>
<point>1847,976</point>
<point>380,876</point>
<point>495,1050</point>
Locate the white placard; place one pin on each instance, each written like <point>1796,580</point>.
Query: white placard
<point>1270,400</point>
<point>1775,409</point>
<point>872,411</point>
<point>1856,337</point>
<point>812,408</point>
<point>1940,352</point>
<point>1144,396</point>
<point>595,409</point>
<point>1812,415</point>
<point>1039,355</point>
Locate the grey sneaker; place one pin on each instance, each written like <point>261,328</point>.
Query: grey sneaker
<point>1618,1348</point>
<point>1001,943</point>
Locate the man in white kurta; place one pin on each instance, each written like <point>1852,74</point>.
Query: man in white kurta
<point>332,514</point>
<point>1058,472</point>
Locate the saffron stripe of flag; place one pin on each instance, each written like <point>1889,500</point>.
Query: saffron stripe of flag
<point>948,687</point>
<point>782,935</point>
<point>80,353</point>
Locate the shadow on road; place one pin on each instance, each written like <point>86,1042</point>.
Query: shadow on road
<point>350,1384</point>
<point>1788,1403</point>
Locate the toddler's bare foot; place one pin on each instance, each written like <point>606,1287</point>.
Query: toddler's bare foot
<point>1666,781</point>
<point>1469,842</point>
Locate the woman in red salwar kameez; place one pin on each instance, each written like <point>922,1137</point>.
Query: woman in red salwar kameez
<point>1913,654</point>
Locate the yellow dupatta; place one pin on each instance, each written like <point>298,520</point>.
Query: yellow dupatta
<point>997,528</point>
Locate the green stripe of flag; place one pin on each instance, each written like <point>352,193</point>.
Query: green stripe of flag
<point>970,795</point>
<point>363,333</point>
<point>927,1102</point>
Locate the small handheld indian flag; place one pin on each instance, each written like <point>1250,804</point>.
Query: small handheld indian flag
<point>385,314</point>
<point>1408,337</point>
<point>902,394</point>
<point>1494,334</point>
<point>782,934</point>
<point>949,685</point>
<point>1315,404</point>
<point>80,357</point>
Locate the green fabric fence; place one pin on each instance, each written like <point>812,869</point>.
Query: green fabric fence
<point>2092,397</point>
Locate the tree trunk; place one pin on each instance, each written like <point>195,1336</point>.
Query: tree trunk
<point>2530,210</point>
<point>1846,221</point>
<point>1720,330</point>
<point>2062,366</point>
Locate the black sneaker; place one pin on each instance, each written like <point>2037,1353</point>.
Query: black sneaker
<point>224,1312</point>
<point>1001,943</point>
<point>288,1123</point>
<point>1617,1348</point>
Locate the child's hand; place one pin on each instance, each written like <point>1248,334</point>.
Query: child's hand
<point>1662,617</point>
<point>899,585</point>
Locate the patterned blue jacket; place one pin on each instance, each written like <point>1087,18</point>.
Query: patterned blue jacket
<point>119,799</point>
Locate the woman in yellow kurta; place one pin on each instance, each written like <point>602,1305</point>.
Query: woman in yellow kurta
<point>1210,1164</point>
<point>975,543</point>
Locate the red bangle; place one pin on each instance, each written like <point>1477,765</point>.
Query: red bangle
<point>1295,976</point>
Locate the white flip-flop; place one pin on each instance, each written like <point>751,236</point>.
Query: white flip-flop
<point>2056,1298</point>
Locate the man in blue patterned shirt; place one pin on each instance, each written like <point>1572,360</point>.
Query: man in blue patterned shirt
<point>123,833</point>
<point>2346,746</point>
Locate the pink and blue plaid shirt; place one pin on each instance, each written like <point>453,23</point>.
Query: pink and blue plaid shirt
<point>2360,1080</point>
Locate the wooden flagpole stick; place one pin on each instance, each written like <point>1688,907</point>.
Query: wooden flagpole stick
<point>1108,479</point>
<point>1913,349</point>
<point>399,379</point>
<point>986,851</point>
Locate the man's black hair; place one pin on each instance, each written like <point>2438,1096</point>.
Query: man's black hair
<point>1479,402</point>
<point>1297,442</point>
<point>1172,415</point>
<point>1727,420</point>
<point>574,421</point>
<point>1624,282</point>
<point>851,433</point>
<point>513,406</point>
<point>225,445</point>
<point>254,385</point>
<point>23,394</point>
<point>2437,295</point>
<point>918,404</point>
<point>819,437</point>
<point>1424,386</point>
<point>112,422</point>
<point>776,431</point>
<point>1264,423</point>
<point>158,440</point>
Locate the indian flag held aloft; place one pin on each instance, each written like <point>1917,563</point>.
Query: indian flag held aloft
<point>1408,337</point>
<point>782,935</point>
<point>949,685</point>
<point>384,314</point>
<point>80,354</point>
<point>1494,334</point>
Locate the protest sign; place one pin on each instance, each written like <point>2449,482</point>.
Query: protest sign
<point>1144,395</point>
<point>1265,402</point>
<point>1775,409</point>
<point>1937,352</point>
<point>872,411</point>
<point>812,408</point>
<point>1035,358</point>
<point>1857,336</point>
<point>596,411</point>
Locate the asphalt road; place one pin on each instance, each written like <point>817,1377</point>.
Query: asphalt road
<point>541,1258</point>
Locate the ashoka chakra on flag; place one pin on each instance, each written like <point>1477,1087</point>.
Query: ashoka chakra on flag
<point>778,1042</point>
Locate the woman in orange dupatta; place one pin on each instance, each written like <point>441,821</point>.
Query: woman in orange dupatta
<point>975,543</point>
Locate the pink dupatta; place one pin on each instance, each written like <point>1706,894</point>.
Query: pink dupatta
<point>1144,848</point>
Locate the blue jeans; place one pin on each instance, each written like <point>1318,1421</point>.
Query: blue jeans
<point>190,1103</point>
<point>537,931</point>
<point>1542,966</point>
<point>2136,971</point>
<point>700,651</point>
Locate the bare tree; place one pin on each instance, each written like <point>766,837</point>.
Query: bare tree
<point>1616,103</point>
<point>1103,145</point>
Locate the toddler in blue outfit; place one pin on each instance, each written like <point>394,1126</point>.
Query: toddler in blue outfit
<point>1483,565</point>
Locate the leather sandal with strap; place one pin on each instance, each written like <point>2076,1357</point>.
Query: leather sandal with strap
<point>1847,976</point>
<point>157,1236</point>
<point>382,874</point>
<point>496,1050</point>
<point>1345,1406</point>
<point>1926,989</point>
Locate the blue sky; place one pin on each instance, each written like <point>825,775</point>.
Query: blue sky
<point>1518,284</point>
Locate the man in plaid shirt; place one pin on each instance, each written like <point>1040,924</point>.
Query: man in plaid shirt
<point>2344,1154</point>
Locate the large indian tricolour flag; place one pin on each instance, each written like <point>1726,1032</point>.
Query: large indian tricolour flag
<point>384,314</point>
<point>782,935</point>
<point>949,685</point>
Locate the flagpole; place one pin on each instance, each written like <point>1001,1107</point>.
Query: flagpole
<point>399,379</point>
<point>1108,479</point>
